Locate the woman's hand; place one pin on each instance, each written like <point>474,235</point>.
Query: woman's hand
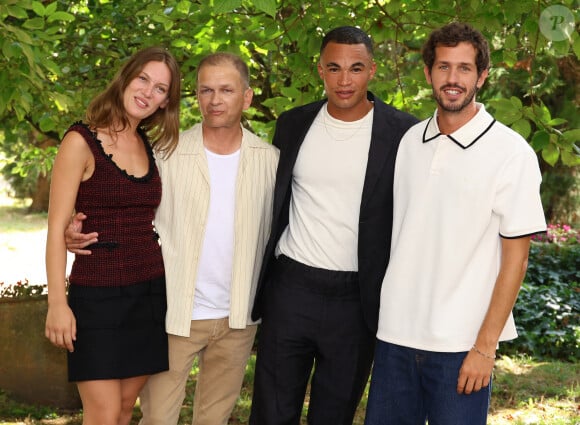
<point>61,326</point>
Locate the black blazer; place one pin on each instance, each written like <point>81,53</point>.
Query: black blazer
<point>376,211</point>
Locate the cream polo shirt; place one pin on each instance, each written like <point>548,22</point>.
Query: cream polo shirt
<point>181,219</point>
<point>454,197</point>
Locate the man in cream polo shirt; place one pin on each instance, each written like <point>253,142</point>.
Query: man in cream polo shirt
<point>466,199</point>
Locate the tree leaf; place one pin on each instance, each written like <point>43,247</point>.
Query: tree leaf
<point>557,121</point>
<point>38,8</point>
<point>266,6</point>
<point>34,24</point>
<point>551,153</point>
<point>509,116</point>
<point>22,36</point>
<point>576,46</point>
<point>225,6</point>
<point>62,101</point>
<point>570,159</point>
<point>51,8</point>
<point>17,12</point>
<point>61,16</point>
<point>572,136</point>
<point>46,124</point>
<point>511,42</point>
<point>51,66</point>
<point>540,140</point>
<point>183,7</point>
<point>515,101</point>
<point>523,127</point>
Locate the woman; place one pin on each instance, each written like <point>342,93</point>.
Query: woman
<point>113,322</point>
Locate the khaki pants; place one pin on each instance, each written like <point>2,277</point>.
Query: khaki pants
<point>222,356</point>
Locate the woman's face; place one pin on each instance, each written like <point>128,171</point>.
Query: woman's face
<point>148,91</point>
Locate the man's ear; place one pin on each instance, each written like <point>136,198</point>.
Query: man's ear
<point>427,73</point>
<point>482,77</point>
<point>373,69</point>
<point>320,70</point>
<point>248,96</point>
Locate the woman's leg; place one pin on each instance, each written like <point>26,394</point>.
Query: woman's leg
<point>101,401</point>
<point>130,389</point>
<point>109,401</point>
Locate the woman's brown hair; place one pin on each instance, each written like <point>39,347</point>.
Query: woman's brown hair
<point>106,109</point>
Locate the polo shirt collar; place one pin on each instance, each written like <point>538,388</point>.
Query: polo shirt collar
<point>468,134</point>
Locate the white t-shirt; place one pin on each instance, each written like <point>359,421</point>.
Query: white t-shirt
<point>214,275</point>
<point>327,183</point>
<point>453,198</point>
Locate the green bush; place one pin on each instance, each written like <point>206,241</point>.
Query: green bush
<point>547,312</point>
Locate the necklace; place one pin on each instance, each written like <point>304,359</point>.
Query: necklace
<point>347,129</point>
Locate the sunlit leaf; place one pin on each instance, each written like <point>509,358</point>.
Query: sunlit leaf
<point>266,6</point>
<point>17,12</point>
<point>33,24</point>
<point>570,159</point>
<point>523,127</point>
<point>60,16</point>
<point>38,8</point>
<point>551,153</point>
<point>225,6</point>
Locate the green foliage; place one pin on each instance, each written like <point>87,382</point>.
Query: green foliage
<point>525,391</point>
<point>58,54</point>
<point>21,290</point>
<point>560,192</point>
<point>547,312</point>
<point>12,410</point>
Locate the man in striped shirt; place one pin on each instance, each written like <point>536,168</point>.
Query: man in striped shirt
<point>213,221</point>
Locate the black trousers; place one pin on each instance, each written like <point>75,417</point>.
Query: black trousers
<point>312,319</point>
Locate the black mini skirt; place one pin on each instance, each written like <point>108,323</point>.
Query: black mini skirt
<point>120,331</point>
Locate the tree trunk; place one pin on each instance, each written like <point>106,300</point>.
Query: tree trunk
<point>41,193</point>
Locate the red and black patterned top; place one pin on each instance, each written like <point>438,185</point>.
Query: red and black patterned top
<point>121,208</point>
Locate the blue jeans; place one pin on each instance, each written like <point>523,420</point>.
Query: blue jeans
<point>410,386</point>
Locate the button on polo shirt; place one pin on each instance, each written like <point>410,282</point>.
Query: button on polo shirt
<point>454,196</point>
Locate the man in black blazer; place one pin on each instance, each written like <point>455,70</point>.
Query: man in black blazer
<point>319,287</point>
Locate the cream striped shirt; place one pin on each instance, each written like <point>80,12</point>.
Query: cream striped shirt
<point>182,214</point>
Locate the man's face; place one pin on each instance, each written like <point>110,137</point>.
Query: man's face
<point>346,70</point>
<point>222,96</point>
<point>454,78</point>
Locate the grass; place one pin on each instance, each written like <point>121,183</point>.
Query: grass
<point>525,391</point>
<point>14,217</point>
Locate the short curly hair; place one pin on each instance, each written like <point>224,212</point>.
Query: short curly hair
<point>451,35</point>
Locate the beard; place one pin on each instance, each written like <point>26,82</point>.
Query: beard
<point>453,106</point>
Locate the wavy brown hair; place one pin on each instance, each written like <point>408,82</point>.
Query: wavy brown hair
<point>106,110</point>
<point>451,35</point>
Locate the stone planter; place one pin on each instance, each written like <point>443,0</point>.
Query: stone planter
<point>32,370</point>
